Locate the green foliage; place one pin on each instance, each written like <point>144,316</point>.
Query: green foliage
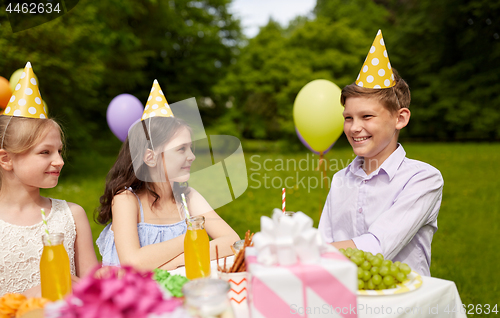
<point>449,52</point>
<point>104,48</point>
<point>278,62</point>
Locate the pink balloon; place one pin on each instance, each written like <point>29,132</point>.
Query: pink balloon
<point>123,111</point>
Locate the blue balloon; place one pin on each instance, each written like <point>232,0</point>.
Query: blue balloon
<point>123,111</point>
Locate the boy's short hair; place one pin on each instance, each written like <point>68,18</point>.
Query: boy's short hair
<point>393,98</point>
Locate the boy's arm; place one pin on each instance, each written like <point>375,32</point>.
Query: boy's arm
<point>344,244</point>
<point>416,205</point>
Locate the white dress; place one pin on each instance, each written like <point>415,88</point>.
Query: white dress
<point>21,248</point>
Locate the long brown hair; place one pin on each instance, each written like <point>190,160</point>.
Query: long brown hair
<point>123,175</point>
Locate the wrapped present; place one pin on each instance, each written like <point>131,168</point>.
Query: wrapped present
<point>293,273</point>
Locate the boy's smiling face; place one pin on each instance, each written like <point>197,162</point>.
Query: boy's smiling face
<point>372,130</point>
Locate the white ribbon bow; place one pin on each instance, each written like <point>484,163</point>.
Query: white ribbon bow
<point>285,240</point>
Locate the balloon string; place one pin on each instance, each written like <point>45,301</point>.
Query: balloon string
<point>322,162</point>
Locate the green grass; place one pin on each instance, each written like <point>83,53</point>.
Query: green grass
<point>462,249</point>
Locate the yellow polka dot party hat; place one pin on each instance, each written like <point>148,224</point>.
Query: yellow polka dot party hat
<point>26,100</point>
<point>157,103</point>
<point>376,71</point>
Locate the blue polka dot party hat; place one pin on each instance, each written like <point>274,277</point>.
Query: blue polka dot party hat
<point>26,100</point>
<point>376,71</point>
<point>157,104</point>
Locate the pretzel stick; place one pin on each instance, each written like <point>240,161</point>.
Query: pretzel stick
<point>237,262</point>
<point>225,271</point>
<point>234,251</point>
<point>217,256</point>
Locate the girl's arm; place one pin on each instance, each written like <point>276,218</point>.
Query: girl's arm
<point>221,233</point>
<point>85,258</point>
<point>125,218</point>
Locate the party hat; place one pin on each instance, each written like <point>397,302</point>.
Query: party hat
<point>376,71</point>
<point>26,100</point>
<point>157,103</point>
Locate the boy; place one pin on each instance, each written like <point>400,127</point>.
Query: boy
<point>382,202</point>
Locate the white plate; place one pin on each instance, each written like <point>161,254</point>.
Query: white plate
<point>413,282</point>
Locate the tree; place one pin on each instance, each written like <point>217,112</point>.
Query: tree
<point>104,48</point>
<point>449,52</point>
<point>278,62</point>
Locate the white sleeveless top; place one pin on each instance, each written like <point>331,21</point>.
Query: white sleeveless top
<point>21,248</point>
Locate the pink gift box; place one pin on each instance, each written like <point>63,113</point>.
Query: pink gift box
<point>324,289</point>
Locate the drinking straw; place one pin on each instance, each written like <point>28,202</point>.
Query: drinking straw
<point>46,227</point>
<point>185,205</point>
<point>283,201</point>
<point>186,208</point>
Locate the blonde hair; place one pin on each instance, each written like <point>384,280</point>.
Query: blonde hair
<point>20,134</point>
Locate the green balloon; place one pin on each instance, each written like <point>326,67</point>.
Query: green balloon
<point>15,77</point>
<point>317,114</point>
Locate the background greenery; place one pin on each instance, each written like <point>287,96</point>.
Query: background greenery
<point>447,50</point>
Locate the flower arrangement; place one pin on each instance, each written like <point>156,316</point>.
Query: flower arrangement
<point>116,292</point>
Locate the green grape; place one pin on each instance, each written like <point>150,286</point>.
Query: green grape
<point>359,253</point>
<point>375,272</point>
<point>384,270</point>
<point>357,260</point>
<point>366,265</point>
<point>376,279</point>
<point>370,285</point>
<point>361,272</point>
<point>405,268</point>
<point>376,261</point>
<point>349,252</point>
<point>366,275</point>
<point>388,280</point>
<point>401,277</point>
<point>342,251</point>
<point>393,270</point>
<point>361,284</point>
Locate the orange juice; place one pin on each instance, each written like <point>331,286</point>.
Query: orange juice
<point>55,272</point>
<point>196,250</point>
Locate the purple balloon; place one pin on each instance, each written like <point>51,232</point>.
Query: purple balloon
<point>123,111</point>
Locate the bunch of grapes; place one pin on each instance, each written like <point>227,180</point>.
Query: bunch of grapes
<point>375,272</point>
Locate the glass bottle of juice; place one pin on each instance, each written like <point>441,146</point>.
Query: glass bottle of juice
<point>196,248</point>
<point>55,272</point>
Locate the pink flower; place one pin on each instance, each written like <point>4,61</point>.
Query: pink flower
<point>118,292</point>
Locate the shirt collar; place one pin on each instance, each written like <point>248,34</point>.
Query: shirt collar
<point>392,163</point>
<point>389,166</point>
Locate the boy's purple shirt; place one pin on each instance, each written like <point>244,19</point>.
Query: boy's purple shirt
<point>392,211</point>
